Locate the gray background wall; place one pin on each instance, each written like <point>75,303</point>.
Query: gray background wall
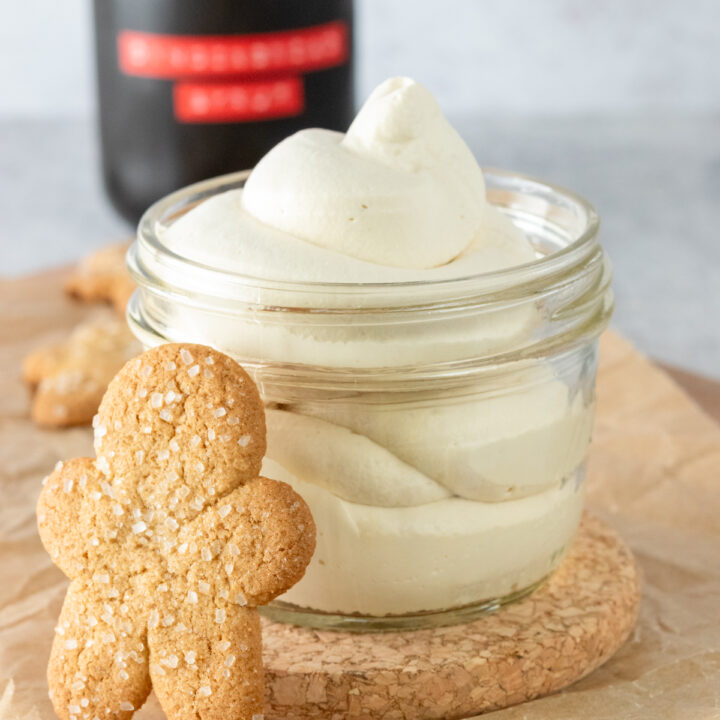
<point>520,56</point>
<point>549,56</point>
<point>618,99</point>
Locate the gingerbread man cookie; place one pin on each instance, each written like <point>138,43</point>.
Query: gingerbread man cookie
<point>70,377</point>
<point>103,276</point>
<point>171,539</point>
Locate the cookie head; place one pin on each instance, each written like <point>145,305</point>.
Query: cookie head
<point>180,423</point>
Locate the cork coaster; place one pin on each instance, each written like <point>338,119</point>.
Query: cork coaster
<point>564,630</point>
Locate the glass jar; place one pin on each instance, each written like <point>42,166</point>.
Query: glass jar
<point>438,430</point>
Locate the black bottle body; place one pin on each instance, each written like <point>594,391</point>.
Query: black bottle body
<point>189,90</point>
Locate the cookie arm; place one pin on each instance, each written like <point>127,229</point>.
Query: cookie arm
<point>207,663</point>
<point>252,545</point>
<point>286,543</point>
<point>42,363</point>
<point>59,514</point>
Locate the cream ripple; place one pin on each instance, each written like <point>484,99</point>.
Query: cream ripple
<point>349,465</point>
<point>488,448</point>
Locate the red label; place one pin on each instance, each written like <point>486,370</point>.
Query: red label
<point>204,102</point>
<point>175,56</point>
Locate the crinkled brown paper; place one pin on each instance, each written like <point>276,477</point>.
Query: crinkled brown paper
<point>654,476</point>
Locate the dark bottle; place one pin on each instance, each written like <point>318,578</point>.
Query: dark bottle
<point>189,89</point>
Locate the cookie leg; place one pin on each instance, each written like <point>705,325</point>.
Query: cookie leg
<point>206,660</point>
<point>99,658</point>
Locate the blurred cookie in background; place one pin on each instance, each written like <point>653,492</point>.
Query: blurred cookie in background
<point>69,378</point>
<point>102,276</point>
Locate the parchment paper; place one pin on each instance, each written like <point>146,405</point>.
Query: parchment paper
<point>654,475</point>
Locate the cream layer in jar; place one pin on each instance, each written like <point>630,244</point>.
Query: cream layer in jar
<point>422,503</point>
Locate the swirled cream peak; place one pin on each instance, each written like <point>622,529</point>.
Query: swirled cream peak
<point>398,198</point>
<point>400,188</point>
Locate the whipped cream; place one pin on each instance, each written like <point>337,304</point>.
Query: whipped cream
<point>398,198</point>
<point>423,500</point>
<point>449,553</point>
<point>357,469</point>
<point>221,233</point>
<point>400,188</point>
<point>495,448</point>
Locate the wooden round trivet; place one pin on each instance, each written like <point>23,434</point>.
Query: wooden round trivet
<point>563,631</point>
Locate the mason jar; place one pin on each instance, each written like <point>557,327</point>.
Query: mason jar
<point>438,430</point>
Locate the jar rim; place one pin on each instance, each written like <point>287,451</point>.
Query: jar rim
<point>566,289</point>
<point>167,209</point>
